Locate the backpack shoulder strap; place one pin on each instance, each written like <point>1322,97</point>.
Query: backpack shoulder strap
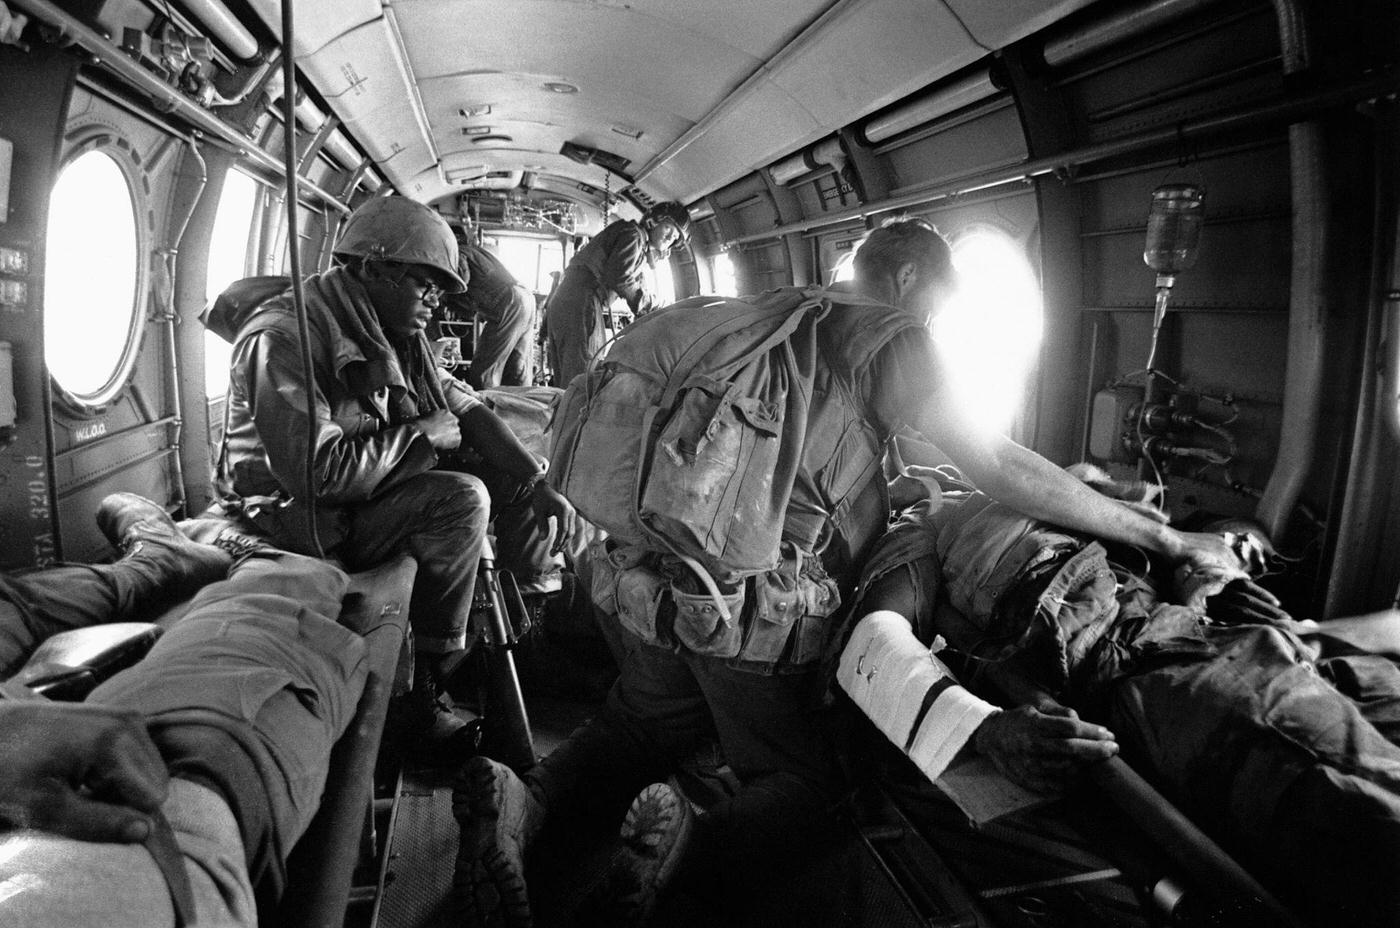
<point>695,354</point>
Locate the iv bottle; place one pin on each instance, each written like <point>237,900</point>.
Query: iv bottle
<point>1174,228</point>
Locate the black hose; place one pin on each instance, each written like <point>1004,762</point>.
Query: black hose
<point>289,155</point>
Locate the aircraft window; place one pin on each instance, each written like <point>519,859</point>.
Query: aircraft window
<point>228,261</point>
<point>845,268</point>
<point>726,282</point>
<point>990,330</point>
<point>661,281</point>
<point>91,280</point>
<point>530,260</point>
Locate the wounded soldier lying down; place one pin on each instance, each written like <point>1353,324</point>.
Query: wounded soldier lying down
<point>1278,737</point>
<point>174,793</point>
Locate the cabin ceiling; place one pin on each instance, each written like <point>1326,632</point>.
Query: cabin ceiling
<point>691,95</point>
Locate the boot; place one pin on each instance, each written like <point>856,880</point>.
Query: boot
<point>499,818</point>
<point>158,561</point>
<point>431,731</point>
<point>221,533</point>
<point>654,837</point>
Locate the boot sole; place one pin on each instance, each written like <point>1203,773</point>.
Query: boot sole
<point>676,836</point>
<point>492,892</point>
<point>489,882</point>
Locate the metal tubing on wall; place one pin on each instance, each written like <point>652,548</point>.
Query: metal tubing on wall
<point>111,57</point>
<point>1308,302</point>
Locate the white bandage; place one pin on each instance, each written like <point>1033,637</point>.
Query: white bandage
<point>907,692</point>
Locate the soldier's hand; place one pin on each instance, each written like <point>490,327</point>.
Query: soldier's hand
<point>1243,602</point>
<point>547,502</point>
<point>443,429</point>
<point>1042,749</point>
<point>83,771</point>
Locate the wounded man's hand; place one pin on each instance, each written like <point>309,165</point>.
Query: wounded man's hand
<point>1244,602</point>
<point>85,772</point>
<point>1042,749</point>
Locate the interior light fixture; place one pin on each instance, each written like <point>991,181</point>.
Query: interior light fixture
<point>560,87</point>
<point>473,110</point>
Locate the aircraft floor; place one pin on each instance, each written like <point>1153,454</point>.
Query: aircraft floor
<point>418,893</point>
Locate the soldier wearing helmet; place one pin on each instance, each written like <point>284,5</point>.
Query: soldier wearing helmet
<point>610,265</point>
<point>384,415</point>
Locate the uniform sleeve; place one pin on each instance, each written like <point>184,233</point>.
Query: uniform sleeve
<point>461,398</point>
<point>908,693</point>
<point>902,379</point>
<point>623,263</point>
<point>354,460</point>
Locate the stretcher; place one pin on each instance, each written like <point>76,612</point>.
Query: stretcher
<point>340,862</point>
<point>1113,851</point>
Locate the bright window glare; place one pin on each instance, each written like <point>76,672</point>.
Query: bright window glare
<point>228,262</point>
<point>726,283</point>
<point>90,275</point>
<point>845,268</point>
<point>989,331</point>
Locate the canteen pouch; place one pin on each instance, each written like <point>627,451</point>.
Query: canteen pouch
<point>640,592</point>
<point>699,626</point>
<point>790,614</point>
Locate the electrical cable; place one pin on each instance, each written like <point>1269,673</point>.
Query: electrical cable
<point>294,257</point>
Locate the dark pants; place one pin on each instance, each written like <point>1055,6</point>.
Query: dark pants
<point>771,730</point>
<point>439,518</point>
<point>503,354</point>
<point>574,317</point>
<point>37,604</point>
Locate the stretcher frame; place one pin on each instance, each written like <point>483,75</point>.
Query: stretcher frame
<point>343,856</point>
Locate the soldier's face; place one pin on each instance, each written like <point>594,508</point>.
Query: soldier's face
<point>404,297</point>
<point>664,235</point>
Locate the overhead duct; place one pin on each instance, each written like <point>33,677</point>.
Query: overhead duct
<point>225,27</point>
<point>339,148</point>
<point>826,153</point>
<point>926,109</point>
<point>1104,33</point>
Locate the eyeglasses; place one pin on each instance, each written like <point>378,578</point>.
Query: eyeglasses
<point>432,291</point>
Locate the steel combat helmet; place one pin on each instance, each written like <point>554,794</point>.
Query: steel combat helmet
<point>675,213</point>
<point>395,228</point>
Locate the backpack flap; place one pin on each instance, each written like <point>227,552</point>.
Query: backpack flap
<point>729,453</point>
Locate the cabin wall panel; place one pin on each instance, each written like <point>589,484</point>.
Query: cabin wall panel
<point>1156,80</point>
<point>1242,264</point>
<point>746,207</point>
<point>86,467</point>
<point>33,122</point>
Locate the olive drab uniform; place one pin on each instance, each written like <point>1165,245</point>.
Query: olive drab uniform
<point>758,688</point>
<point>610,264</point>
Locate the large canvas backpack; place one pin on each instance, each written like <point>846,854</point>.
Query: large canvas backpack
<point>688,436</point>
